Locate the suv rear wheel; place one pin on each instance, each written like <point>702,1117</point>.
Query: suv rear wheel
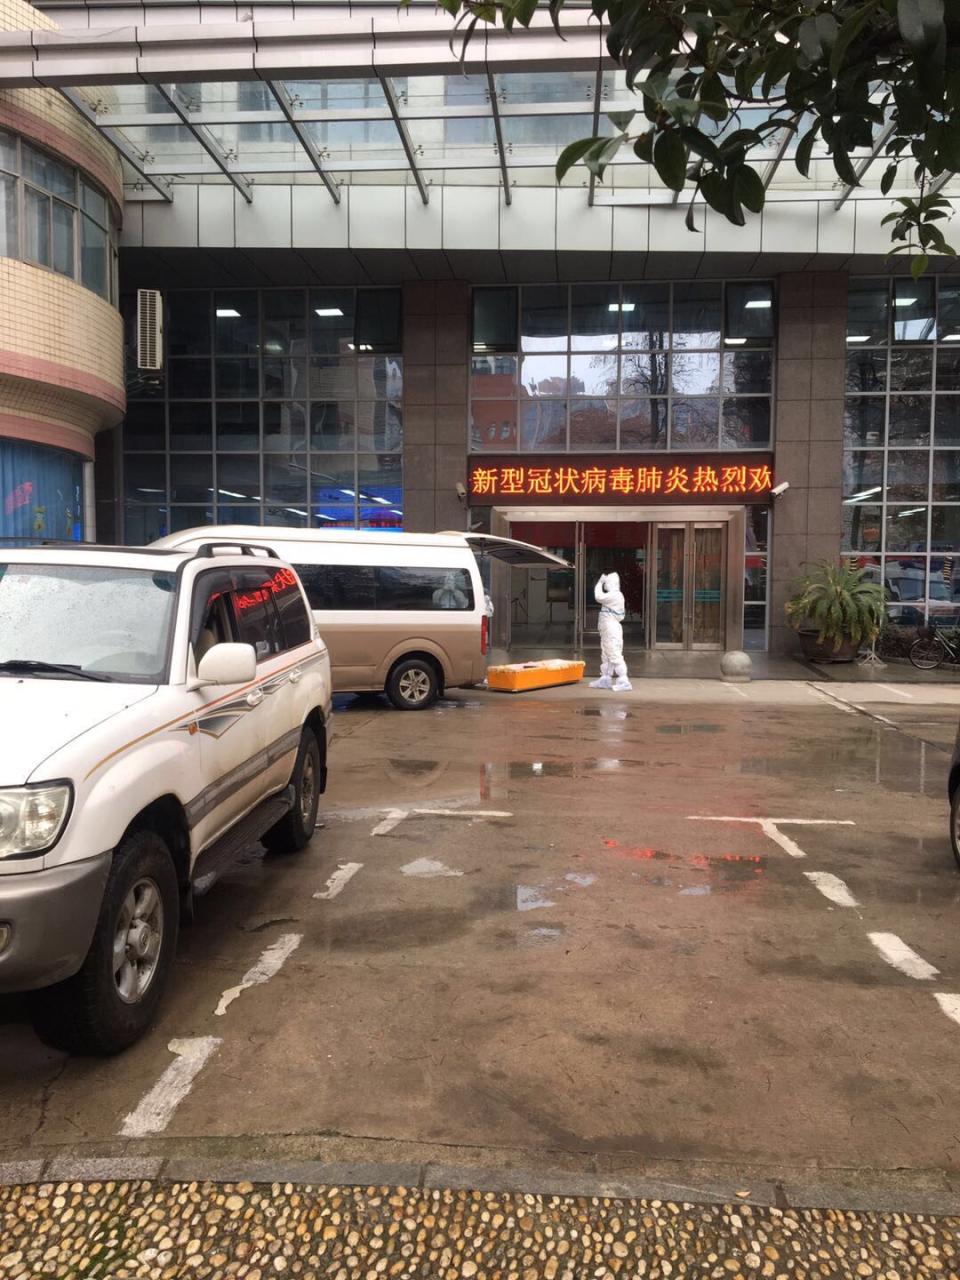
<point>413,684</point>
<point>295,830</point>
<point>112,1000</point>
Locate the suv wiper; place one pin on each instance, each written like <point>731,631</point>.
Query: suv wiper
<point>31,666</point>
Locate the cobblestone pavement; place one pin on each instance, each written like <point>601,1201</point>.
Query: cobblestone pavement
<point>158,1231</point>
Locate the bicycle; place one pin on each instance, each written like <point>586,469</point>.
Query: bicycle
<point>931,648</point>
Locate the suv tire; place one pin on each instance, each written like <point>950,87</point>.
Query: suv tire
<point>113,998</point>
<point>295,830</point>
<point>413,684</point>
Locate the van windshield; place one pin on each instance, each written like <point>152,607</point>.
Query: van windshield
<point>109,622</point>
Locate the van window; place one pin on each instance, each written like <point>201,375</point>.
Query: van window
<point>408,588</point>
<point>339,586</point>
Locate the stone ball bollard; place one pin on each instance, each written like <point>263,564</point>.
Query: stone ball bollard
<point>735,667</point>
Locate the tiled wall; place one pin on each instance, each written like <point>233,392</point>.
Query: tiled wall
<point>808,433</point>
<point>436,319</point>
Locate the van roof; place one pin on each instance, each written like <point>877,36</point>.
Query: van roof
<point>284,533</point>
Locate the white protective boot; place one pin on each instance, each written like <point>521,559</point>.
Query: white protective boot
<point>613,608</point>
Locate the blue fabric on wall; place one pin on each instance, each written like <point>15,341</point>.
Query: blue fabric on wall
<point>41,492</point>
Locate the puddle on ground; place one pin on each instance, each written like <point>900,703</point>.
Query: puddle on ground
<point>689,728</point>
<point>540,936</point>
<point>535,897</point>
<point>428,869</point>
<point>606,713</point>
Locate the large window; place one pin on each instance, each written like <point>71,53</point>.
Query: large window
<point>605,367</point>
<point>51,215</point>
<point>342,586</point>
<point>278,406</point>
<point>41,493</point>
<point>901,458</point>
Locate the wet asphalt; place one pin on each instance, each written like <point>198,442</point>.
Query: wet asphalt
<point>602,978</point>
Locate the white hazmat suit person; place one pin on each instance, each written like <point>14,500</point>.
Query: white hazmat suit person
<point>613,608</point>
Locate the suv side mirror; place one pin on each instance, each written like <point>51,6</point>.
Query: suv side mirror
<point>228,664</point>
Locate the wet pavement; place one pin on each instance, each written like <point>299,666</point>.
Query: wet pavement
<point>561,943</point>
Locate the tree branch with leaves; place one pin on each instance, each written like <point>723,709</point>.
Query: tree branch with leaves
<point>877,77</point>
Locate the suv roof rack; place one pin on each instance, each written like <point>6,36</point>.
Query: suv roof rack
<point>245,548</point>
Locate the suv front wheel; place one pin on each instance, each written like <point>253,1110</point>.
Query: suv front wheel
<point>413,684</point>
<point>112,1000</point>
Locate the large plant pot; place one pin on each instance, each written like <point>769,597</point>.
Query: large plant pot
<point>814,651</point>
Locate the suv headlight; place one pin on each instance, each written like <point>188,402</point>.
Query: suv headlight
<point>32,818</point>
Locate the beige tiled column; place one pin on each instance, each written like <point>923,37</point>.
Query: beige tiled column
<point>436,364</point>
<point>811,345</point>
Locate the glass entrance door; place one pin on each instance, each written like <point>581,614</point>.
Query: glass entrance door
<point>613,546</point>
<point>688,586</point>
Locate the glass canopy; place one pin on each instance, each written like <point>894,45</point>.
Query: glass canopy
<point>492,128</point>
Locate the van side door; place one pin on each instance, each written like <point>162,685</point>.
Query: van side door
<point>344,604</point>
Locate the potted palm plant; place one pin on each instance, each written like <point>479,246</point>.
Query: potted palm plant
<point>836,608</point>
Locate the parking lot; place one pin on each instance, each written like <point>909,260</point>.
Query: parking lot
<point>707,939</point>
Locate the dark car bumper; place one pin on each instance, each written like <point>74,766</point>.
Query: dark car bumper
<point>47,919</point>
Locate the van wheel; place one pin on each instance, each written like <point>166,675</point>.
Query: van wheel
<point>295,829</point>
<point>112,1000</point>
<point>413,684</point>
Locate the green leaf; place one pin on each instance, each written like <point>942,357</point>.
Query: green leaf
<point>809,37</point>
<point>688,221</point>
<point>888,179</point>
<point>920,22</point>
<point>643,147</point>
<point>600,155</point>
<point>949,145</point>
<point>845,170</point>
<point>702,146</point>
<point>572,154</point>
<point>847,34</point>
<point>670,159</point>
<point>918,265</point>
<point>805,150</point>
<point>621,119</point>
<point>683,110</point>
<point>748,188</point>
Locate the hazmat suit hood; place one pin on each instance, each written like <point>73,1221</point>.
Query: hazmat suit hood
<point>611,581</point>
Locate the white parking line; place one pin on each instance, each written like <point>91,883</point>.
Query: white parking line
<point>339,880</point>
<point>736,689</point>
<point>396,816</point>
<point>269,964</point>
<point>896,952</point>
<point>888,688</point>
<point>832,887</point>
<point>771,828</point>
<point>429,869</point>
<point>832,700</point>
<point>155,1109</point>
<point>949,1004</point>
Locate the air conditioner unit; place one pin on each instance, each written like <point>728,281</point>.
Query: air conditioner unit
<point>149,329</point>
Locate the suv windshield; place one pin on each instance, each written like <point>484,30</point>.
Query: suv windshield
<point>115,622</point>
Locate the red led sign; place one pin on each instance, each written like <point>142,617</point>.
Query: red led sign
<point>622,479</point>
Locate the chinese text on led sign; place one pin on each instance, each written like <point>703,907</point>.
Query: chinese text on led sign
<point>733,481</point>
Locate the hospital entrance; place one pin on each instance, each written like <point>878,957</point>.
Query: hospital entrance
<point>681,590</point>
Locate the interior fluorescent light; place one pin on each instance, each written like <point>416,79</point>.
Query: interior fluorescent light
<point>395,512</point>
<point>622,306</point>
<point>227,313</point>
<point>734,342</point>
<point>228,493</point>
<point>328,311</point>
<point>950,337</point>
<point>904,302</point>
<point>859,337</point>
<point>349,492</point>
<point>384,502</point>
<point>866,493</point>
<point>758,304</point>
<point>140,489</point>
<point>912,512</point>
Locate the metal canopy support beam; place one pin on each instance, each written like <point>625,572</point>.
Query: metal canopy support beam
<point>135,161</point>
<point>285,103</point>
<point>597,92</point>
<point>391,98</point>
<point>865,165</point>
<point>498,129</point>
<point>210,145</point>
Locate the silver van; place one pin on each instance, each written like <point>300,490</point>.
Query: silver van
<point>400,613</point>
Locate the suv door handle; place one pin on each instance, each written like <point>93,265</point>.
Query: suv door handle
<point>296,675</point>
<point>254,698</point>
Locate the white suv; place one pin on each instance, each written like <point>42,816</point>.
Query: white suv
<point>161,711</point>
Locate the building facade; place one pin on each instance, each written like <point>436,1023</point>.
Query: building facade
<point>380,311</point>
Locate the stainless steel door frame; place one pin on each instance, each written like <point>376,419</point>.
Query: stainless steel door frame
<point>692,585</point>
<point>579,587</point>
<point>688,585</point>
<point>654,583</point>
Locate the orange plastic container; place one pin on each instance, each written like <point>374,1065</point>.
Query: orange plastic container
<point>521,677</point>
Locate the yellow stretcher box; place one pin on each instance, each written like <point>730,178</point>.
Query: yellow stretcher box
<point>521,677</point>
